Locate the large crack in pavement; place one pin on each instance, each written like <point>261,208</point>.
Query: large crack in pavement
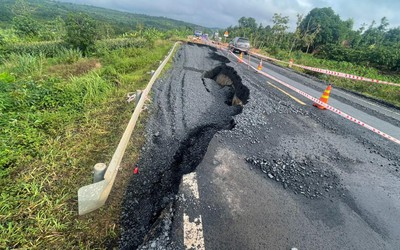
<point>199,97</point>
<point>324,165</point>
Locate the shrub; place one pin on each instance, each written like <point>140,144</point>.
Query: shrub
<point>105,46</point>
<point>65,55</point>
<point>383,58</point>
<point>91,87</point>
<point>49,49</point>
<point>25,64</point>
<point>81,31</point>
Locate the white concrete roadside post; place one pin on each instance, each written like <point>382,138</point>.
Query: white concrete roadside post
<point>98,172</point>
<point>137,97</point>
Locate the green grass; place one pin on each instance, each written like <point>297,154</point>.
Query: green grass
<point>54,129</point>
<point>387,93</point>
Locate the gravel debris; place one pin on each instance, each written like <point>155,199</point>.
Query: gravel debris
<point>305,178</point>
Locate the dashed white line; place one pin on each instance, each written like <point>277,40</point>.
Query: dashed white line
<point>193,237</point>
<point>193,233</point>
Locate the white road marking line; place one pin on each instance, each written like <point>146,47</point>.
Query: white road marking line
<point>193,237</point>
<point>190,182</point>
<point>193,233</point>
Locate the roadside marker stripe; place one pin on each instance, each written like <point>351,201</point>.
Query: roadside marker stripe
<point>333,109</point>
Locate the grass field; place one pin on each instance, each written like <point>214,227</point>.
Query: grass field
<point>59,116</point>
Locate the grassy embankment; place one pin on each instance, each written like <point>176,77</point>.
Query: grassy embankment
<point>387,93</point>
<point>59,116</point>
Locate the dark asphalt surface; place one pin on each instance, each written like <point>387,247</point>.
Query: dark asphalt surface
<point>285,175</point>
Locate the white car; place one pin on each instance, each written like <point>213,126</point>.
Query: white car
<point>240,44</point>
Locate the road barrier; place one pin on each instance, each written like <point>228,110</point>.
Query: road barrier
<point>329,107</point>
<point>93,196</point>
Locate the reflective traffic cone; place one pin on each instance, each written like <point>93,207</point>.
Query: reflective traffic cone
<point>240,60</point>
<point>324,98</point>
<point>260,65</point>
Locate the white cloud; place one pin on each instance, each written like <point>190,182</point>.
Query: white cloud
<point>223,13</point>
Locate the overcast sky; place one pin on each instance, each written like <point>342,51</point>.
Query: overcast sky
<point>223,13</point>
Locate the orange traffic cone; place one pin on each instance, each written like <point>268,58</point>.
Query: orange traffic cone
<point>260,65</point>
<point>324,98</point>
<point>240,60</point>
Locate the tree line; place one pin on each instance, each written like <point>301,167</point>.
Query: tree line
<point>323,33</point>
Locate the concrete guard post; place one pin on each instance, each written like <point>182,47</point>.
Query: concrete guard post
<point>98,172</point>
<point>137,98</point>
<point>93,196</point>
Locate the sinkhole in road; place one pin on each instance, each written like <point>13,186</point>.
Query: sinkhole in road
<point>227,76</point>
<point>166,158</point>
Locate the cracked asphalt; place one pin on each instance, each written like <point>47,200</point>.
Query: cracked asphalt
<point>272,174</point>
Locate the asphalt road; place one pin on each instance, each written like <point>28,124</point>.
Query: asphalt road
<point>386,119</point>
<point>282,175</point>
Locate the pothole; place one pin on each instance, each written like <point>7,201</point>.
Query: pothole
<point>226,76</point>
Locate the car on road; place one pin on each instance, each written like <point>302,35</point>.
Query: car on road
<point>198,33</point>
<point>239,44</point>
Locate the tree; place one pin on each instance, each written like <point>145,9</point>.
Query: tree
<point>392,37</point>
<point>280,26</point>
<point>309,38</point>
<point>375,36</point>
<point>297,33</point>
<point>23,22</point>
<point>22,8</point>
<point>81,31</point>
<point>247,26</point>
<point>332,30</point>
<point>247,22</point>
<point>26,26</point>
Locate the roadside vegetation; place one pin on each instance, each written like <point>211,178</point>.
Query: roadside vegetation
<point>63,109</point>
<point>321,39</point>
